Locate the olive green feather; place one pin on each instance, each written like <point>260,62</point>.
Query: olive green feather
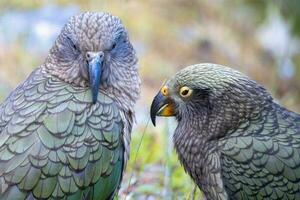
<point>55,144</point>
<point>232,138</point>
<point>269,166</point>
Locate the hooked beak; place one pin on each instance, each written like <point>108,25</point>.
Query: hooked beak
<point>161,106</point>
<point>95,64</point>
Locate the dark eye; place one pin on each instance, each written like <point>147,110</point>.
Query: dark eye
<point>71,43</point>
<point>113,46</point>
<point>74,47</point>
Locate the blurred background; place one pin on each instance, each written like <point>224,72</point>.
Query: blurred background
<point>259,38</point>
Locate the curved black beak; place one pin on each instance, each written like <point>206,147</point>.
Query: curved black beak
<point>161,106</point>
<point>95,63</point>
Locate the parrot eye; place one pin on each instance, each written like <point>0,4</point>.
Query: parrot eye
<point>113,46</point>
<point>185,91</point>
<point>164,91</point>
<point>71,43</point>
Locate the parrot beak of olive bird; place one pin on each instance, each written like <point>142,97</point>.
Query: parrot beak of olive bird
<point>161,105</point>
<point>95,64</point>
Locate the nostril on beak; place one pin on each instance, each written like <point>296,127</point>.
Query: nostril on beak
<point>91,55</point>
<point>88,56</point>
<point>100,54</point>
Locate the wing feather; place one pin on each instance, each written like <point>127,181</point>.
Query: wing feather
<point>55,143</point>
<point>264,164</point>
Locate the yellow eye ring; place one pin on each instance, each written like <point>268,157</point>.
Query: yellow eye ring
<point>164,91</point>
<point>185,91</point>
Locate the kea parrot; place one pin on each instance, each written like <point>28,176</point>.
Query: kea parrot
<point>65,131</point>
<point>232,138</point>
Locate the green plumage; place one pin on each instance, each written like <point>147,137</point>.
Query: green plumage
<point>232,138</point>
<point>261,159</point>
<point>56,144</point>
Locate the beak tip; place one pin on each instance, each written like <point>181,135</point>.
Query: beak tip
<point>153,115</point>
<point>153,121</point>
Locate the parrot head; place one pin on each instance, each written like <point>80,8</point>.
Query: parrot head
<point>93,49</point>
<point>200,95</point>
